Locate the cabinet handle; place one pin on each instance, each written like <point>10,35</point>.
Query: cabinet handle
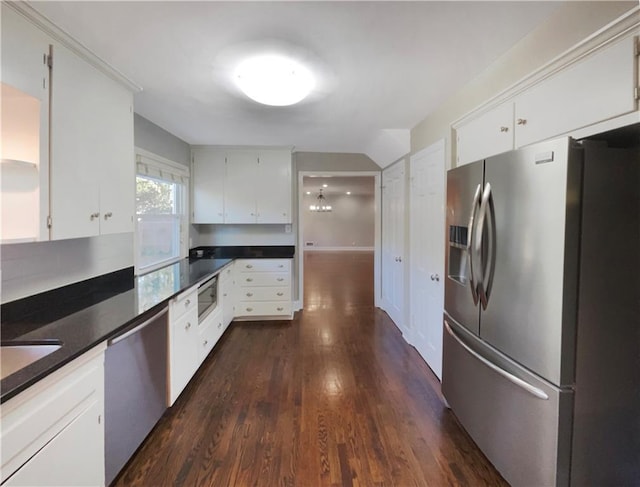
<point>249,279</point>
<point>521,121</point>
<point>224,295</point>
<point>249,294</point>
<point>253,214</point>
<point>249,309</point>
<point>280,279</point>
<point>279,309</point>
<point>188,326</point>
<point>219,325</point>
<point>280,294</point>
<point>281,266</point>
<point>249,266</point>
<point>204,344</point>
<point>93,216</point>
<point>187,302</point>
<point>108,215</point>
<point>504,129</point>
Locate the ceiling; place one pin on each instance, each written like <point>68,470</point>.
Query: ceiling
<point>382,66</point>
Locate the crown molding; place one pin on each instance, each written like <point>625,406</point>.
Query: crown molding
<point>64,38</point>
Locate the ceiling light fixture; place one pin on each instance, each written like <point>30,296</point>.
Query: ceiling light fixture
<point>274,80</point>
<point>348,192</point>
<point>322,204</point>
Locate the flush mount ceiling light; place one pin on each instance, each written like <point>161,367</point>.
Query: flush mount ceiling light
<point>274,80</point>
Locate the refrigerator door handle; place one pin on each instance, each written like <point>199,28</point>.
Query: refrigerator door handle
<point>470,248</point>
<point>487,258</point>
<point>487,216</point>
<point>539,393</point>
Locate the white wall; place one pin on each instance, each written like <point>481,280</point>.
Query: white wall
<point>350,224</point>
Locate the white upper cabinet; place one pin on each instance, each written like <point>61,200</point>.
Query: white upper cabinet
<point>273,187</point>
<point>241,185</point>
<point>594,89</point>
<point>25,130</point>
<point>490,133</point>
<point>92,158</point>
<point>208,185</point>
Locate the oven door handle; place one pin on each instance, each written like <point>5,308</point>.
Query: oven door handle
<point>136,329</point>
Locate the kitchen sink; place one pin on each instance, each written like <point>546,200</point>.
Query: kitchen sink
<point>17,355</point>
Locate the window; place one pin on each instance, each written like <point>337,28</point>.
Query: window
<point>161,195</point>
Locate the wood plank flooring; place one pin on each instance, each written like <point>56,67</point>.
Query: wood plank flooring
<point>333,398</point>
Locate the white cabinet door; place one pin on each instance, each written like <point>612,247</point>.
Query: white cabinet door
<point>75,457</point>
<point>393,194</point>
<point>116,160</point>
<point>273,187</point>
<point>489,134</point>
<point>183,352</point>
<point>92,160</point>
<point>591,90</point>
<point>75,180</point>
<point>227,296</point>
<point>427,247</point>
<point>25,130</point>
<point>241,181</point>
<point>208,185</point>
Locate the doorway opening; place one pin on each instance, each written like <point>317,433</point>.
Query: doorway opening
<point>338,237</point>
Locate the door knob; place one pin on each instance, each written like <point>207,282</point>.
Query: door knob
<point>521,121</point>
<point>435,277</point>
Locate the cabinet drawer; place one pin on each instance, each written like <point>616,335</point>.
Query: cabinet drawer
<point>264,279</point>
<point>226,273</point>
<point>265,308</point>
<point>183,303</point>
<point>264,265</point>
<point>209,334</point>
<point>265,294</point>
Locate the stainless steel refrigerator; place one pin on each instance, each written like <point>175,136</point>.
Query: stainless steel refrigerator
<point>541,352</point>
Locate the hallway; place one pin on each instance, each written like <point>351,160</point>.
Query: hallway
<point>335,397</point>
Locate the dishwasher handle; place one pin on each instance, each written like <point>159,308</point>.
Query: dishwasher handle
<point>136,329</point>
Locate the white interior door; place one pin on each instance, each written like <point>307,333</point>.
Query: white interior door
<point>427,237</point>
<point>393,191</point>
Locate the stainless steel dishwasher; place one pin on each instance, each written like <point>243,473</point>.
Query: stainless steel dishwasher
<point>135,389</point>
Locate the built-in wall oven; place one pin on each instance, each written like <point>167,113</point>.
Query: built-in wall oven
<point>207,298</point>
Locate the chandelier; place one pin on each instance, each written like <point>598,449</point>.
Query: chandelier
<point>321,205</point>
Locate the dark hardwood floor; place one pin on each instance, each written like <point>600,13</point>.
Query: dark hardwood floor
<point>334,398</point>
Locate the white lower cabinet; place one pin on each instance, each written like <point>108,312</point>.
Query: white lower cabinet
<point>263,288</point>
<point>53,433</point>
<point>183,341</point>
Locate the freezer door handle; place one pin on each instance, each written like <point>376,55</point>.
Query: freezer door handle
<point>539,393</point>
<point>470,248</point>
<point>487,217</point>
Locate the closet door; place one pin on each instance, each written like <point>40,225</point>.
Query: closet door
<point>427,247</point>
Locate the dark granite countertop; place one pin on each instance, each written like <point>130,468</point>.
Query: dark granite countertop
<point>85,328</point>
